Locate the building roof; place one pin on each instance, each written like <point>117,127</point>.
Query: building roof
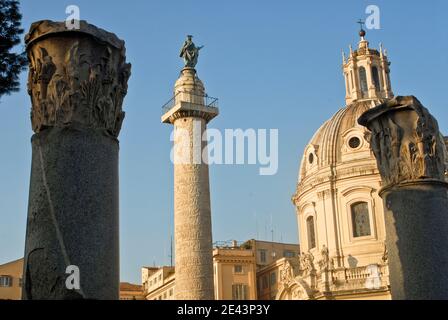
<point>326,144</point>
<point>11,262</point>
<point>331,142</point>
<point>126,286</point>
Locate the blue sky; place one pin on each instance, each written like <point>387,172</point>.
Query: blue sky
<point>272,64</point>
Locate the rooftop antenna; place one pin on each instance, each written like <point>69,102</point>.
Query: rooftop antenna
<point>171,251</point>
<point>265,230</point>
<point>256,225</point>
<point>164,253</point>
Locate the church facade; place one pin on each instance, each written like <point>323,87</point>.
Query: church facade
<point>339,212</point>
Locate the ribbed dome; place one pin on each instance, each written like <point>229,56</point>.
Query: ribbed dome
<point>340,134</point>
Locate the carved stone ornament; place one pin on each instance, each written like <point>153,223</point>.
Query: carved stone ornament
<point>76,77</point>
<point>405,140</point>
<point>299,294</point>
<point>189,52</point>
<point>307,264</point>
<point>385,257</point>
<point>286,273</point>
<point>324,262</point>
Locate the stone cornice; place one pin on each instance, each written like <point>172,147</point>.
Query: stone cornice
<point>185,109</point>
<point>317,180</point>
<point>191,113</point>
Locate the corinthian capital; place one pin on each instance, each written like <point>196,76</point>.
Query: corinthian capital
<point>405,140</point>
<point>76,77</point>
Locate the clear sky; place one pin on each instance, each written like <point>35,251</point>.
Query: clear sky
<point>273,64</point>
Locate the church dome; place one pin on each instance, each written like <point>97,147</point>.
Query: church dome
<point>339,149</point>
<point>340,140</point>
<point>339,213</point>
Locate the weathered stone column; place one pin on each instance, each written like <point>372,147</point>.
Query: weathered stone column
<point>409,149</point>
<point>192,212</point>
<point>77,83</point>
<point>190,111</point>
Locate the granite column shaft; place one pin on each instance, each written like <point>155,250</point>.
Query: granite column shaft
<point>77,83</point>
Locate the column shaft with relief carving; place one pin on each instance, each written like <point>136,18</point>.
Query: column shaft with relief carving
<point>192,210</point>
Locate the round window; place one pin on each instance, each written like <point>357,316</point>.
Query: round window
<point>354,142</point>
<point>310,158</point>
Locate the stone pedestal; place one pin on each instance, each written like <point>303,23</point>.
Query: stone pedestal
<point>77,82</point>
<point>409,149</point>
<point>192,213</point>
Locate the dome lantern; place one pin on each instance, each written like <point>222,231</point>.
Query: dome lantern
<point>366,72</point>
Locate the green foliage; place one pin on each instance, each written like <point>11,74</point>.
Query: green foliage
<point>11,64</point>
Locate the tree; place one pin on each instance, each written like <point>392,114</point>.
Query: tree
<point>11,63</point>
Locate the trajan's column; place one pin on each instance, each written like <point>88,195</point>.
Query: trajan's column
<point>189,111</point>
<point>77,82</point>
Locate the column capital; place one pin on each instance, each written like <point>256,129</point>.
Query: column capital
<point>406,141</point>
<point>76,77</point>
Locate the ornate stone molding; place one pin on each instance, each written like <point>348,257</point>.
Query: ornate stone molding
<point>307,264</point>
<point>286,274</point>
<point>76,77</point>
<point>297,289</point>
<point>207,116</point>
<point>325,263</point>
<point>405,140</point>
<point>360,188</point>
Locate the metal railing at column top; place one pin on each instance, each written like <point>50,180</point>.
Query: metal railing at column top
<point>209,102</point>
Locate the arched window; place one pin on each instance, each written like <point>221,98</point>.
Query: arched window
<point>376,78</point>
<point>310,233</point>
<point>363,80</point>
<point>360,219</point>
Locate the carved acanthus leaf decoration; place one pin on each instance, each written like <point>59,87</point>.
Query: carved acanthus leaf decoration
<point>78,79</point>
<point>405,140</point>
